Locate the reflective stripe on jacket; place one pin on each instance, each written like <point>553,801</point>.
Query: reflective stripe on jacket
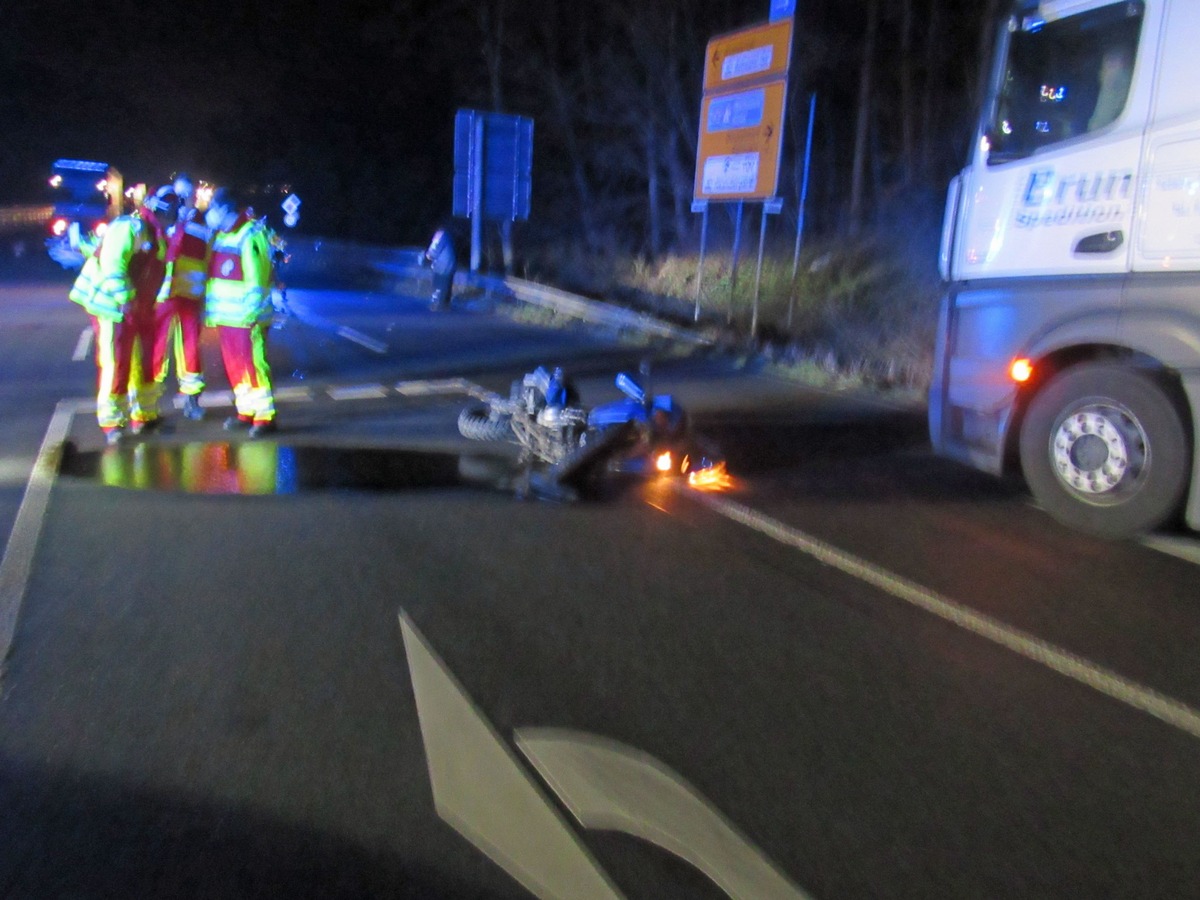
<point>187,261</point>
<point>128,264</point>
<point>239,276</point>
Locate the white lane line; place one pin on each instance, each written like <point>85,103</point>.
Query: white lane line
<point>1187,549</point>
<point>357,392</point>
<point>357,337</point>
<point>83,346</point>
<point>1065,663</point>
<point>22,542</point>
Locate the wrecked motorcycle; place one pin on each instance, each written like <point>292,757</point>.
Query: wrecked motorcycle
<point>566,448</point>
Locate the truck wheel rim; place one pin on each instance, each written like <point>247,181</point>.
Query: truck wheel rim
<point>1099,450</point>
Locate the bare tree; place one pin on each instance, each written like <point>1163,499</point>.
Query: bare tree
<point>863,118</point>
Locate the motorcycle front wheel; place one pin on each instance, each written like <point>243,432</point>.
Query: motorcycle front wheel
<point>479,423</point>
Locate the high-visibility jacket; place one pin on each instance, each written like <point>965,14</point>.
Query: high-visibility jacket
<point>188,251</point>
<point>128,266</point>
<point>239,276</point>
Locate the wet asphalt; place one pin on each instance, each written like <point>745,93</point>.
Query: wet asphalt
<point>208,694</point>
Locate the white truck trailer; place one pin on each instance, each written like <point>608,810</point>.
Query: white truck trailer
<point>1069,335</point>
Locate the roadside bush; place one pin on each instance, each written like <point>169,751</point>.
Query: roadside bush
<point>863,310</point>
<point>856,312</point>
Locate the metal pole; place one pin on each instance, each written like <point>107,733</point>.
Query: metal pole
<point>812,115</point>
<point>737,245</point>
<point>477,190</point>
<point>762,239</point>
<point>700,267</point>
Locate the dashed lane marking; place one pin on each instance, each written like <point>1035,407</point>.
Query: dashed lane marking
<point>357,392</point>
<point>437,386</point>
<point>216,398</point>
<point>1076,668</point>
<point>293,394</point>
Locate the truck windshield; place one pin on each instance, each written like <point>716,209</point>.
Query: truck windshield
<point>1062,79</point>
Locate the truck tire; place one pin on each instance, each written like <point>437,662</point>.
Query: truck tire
<point>1104,450</point>
<point>477,423</point>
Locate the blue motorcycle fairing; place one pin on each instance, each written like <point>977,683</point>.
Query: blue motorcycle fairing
<point>628,410</point>
<point>617,412</point>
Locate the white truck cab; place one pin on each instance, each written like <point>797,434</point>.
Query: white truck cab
<point>1069,337</point>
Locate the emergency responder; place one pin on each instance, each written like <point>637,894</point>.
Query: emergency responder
<point>443,261</point>
<point>238,304</point>
<point>118,286</point>
<point>179,313</point>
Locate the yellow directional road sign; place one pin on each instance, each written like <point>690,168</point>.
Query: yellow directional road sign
<point>740,142</point>
<point>758,53</point>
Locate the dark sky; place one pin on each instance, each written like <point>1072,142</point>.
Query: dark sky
<point>352,101</point>
<point>236,93</point>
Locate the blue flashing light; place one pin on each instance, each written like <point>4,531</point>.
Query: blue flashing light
<point>80,165</point>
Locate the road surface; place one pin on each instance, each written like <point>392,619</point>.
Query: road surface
<point>346,662</point>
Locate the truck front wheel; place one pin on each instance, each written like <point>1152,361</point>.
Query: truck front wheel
<point>1104,450</point>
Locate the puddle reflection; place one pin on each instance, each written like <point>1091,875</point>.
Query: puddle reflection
<point>263,468</point>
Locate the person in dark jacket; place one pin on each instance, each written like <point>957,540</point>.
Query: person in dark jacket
<point>443,261</point>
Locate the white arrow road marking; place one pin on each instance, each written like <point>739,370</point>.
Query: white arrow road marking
<point>607,785</point>
<point>1033,648</point>
<point>482,791</point>
<point>83,346</point>
<point>1187,549</point>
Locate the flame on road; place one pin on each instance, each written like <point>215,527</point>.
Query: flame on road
<point>711,478</point>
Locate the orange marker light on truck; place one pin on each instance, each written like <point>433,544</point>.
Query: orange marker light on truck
<point>1021,370</point>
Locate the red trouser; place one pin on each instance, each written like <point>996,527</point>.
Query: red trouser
<point>177,323</point>
<point>244,351</point>
<point>122,359</point>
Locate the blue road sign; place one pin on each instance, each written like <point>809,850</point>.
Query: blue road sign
<point>782,9</point>
<point>500,166</point>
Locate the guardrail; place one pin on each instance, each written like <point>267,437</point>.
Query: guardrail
<point>595,311</point>
<point>399,266</point>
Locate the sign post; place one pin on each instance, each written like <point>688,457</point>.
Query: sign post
<point>741,128</point>
<point>700,206</point>
<point>812,115</point>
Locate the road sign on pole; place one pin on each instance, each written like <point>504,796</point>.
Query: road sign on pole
<point>757,53</point>
<point>741,113</point>
<point>493,153</point>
